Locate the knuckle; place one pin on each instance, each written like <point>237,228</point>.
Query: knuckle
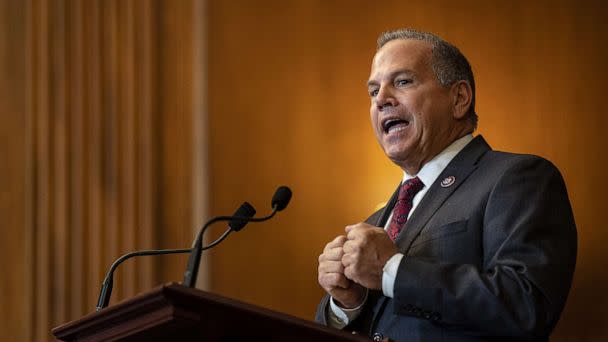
<point>322,282</point>
<point>325,280</point>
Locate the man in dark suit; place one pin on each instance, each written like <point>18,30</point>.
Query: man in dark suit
<point>475,244</point>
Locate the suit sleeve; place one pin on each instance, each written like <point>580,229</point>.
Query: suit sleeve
<point>529,252</point>
<point>321,315</point>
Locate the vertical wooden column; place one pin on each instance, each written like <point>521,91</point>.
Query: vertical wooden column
<point>16,298</point>
<point>200,147</point>
<point>104,111</point>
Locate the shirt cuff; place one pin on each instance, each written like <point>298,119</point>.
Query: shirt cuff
<point>389,274</point>
<point>340,317</point>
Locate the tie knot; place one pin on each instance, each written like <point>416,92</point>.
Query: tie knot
<point>410,188</point>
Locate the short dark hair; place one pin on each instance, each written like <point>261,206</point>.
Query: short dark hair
<point>448,63</point>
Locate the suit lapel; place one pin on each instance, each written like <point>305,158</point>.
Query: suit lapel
<point>460,168</point>
<point>386,212</point>
<point>380,300</point>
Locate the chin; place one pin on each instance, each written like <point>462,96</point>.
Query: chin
<point>396,155</point>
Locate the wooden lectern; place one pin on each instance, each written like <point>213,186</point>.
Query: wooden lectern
<point>173,312</point>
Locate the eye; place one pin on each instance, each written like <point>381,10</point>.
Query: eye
<point>402,82</point>
<point>373,92</point>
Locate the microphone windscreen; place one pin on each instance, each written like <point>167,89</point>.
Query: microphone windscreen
<point>281,198</point>
<point>245,210</point>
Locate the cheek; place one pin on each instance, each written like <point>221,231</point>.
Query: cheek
<point>373,116</point>
<point>425,114</point>
<point>413,99</point>
<point>372,112</point>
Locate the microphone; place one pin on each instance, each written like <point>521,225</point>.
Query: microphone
<point>280,199</point>
<point>108,281</point>
<point>245,210</point>
<point>241,217</point>
<point>236,224</point>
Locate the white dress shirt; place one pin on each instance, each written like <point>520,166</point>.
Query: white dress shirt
<point>340,317</point>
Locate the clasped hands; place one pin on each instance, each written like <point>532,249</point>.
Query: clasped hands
<point>352,262</point>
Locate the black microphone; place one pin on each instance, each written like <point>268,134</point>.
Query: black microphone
<point>245,210</point>
<point>241,217</point>
<point>236,224</point>
<point>280,199</point>
<point>106,286</point>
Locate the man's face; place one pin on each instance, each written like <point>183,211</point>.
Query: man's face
<point>411,112</point>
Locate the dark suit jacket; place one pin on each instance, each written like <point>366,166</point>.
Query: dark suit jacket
<point>490,257</point>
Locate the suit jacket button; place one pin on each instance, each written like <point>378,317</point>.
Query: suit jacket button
<point>426,315</point>
<point>377,337</point>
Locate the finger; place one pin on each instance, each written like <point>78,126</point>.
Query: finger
<point>330,281</point>
<point>355,232</point>
<point>331,267</point>
<point>332,254</point>
<point>337,242</point>
<point>357,226</point>
<point>349,272</point>
<point>364,232</point>
<point>347,260</point>
<point>347,248</point>
<point>350,246</point>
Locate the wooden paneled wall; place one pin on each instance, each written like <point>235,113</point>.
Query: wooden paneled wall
<point>99,124</point>
<point>288,104</point>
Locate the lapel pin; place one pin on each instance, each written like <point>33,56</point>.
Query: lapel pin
<point>448,181</point>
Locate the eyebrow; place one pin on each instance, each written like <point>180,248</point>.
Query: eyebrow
<point>392,75</point>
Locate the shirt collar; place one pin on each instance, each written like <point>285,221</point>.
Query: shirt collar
<point>431,170</point>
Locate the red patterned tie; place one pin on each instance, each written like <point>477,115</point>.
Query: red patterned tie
<point>408,190</point>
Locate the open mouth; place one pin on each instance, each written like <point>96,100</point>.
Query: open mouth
<point>394,125</point>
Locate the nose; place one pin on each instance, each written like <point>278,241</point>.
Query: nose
<point>385,98</point>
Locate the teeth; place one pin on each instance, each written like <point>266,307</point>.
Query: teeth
<point>397,128</point>
<point>395,125</point>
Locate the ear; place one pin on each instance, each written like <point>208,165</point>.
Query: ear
<point>462,95</point>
